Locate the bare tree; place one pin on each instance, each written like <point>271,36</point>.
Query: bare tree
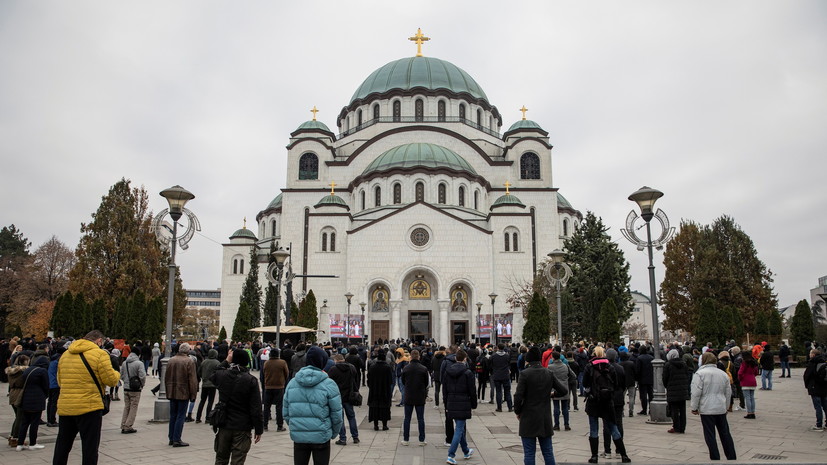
<point>636,331</point>
<point>52,262</point>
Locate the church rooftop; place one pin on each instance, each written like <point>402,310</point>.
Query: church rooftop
<point>419,155</point>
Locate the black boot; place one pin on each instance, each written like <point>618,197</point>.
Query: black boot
<point>594,443</point>
<point>621,449</point>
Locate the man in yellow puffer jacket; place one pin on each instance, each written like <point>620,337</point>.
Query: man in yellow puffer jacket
<point>80,406</point>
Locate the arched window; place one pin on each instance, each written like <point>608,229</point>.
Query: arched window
<point>420,192</point>
<point>359,118</point>
<point>440,108</point>
<point>514,242</point>
<point>419,110</point>
<point>376,111</point>
<point>476,200</point>
<point>273,226</point>
<point>441,193</point>
<point>377,196</point>
<point>241,268</point>
<point>479,118</point>
<point>461,195</point>
<point>397,111</point>
<point>333,241</point>
<point>565,227</point>
<point>529,166</point>
<point>362,198</point>
<point>235,266</point>
<point>461,111</point>
<point>309,166</point>
<point>397,193</point>
<point>491,123</point>
<point>324,242</point>
<point>507,242</point>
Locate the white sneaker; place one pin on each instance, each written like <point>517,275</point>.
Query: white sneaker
<point>405,443</point>
<point>447,444</point>
<point>816,428</point>
<point>22,448</point>
<point>423,443</point>
<point>37,447</point>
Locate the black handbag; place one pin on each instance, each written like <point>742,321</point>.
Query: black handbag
<point>355,398</point>
<point>104,397</point>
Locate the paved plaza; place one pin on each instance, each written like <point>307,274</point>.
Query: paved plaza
<point>779,435</point>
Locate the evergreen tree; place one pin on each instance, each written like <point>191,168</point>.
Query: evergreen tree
<point>706,327</point>
<point>117,325</point>
<point>760,328</point>
<point>98,316</point>
<point>537,323</point>
<point>14,258</point>
<point>80,321</point>
<point>251,292</point>
<point>154,323</point>
<point>599,272</point>
<point>61,315</point>
<point>222,335</point>
<point>118,253</point>
<point>241,327</point>
<point>801,327</point>
<point>270,303</point>
<point>135,317</point>
<point>307,315</point>
<point>608,329</point>
<point>775,326</point>
<point>729,324</point>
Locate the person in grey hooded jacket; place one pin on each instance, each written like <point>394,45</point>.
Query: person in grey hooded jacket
<point>132,367</point>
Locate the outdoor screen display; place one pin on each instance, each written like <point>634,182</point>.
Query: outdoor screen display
<point>502,323</point>
<point>340,326</point>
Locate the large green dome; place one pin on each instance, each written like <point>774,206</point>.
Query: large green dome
<point>419,155</point>
<point>424,72</point>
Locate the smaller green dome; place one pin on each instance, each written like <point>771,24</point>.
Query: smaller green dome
<point>562,202</point>
<point>313,125</point>
<point>508,199</point>
<point>275,203</point>
<point>524,124</point>
<point>419,154</point>
<point>332,200</point>
<point>244,233</point>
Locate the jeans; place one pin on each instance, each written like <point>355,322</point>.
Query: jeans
<point>406,423</point>
<point>766,379</point>
<point>749,399</point>
<point>630,397</point>
<point>231,446</point>
<point>401,389</point>
<point>506,386</point>
<point>208,396</point>
<point>820,404</point>
<point>580,383</point>
<point>564,403</point>
<point>530,450</point>
<point>710,423</point>
<point>302,453</point>
<point>459,439</point>
<point>594,426</point>
<point>89,427</point>
<point>177,413</point>
<point>785,365</point>
<point>347,412</point>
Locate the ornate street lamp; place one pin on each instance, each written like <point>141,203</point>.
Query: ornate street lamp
<point>177,197</point>
<point>348,296</point>
<point>561,275</point>
<point>275,276</point>
<point>645,197</point>
<point>479,322</point>
<point>494,335</point>
<point>364,323</point>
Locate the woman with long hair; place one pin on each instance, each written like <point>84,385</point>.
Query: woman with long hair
<point>746,376</point>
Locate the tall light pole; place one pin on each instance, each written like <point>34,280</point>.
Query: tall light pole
<point>562,273</point>
<point>274,275</point>
<point>646,197</point>
<point>494,334</point>
<point>176,197</point>
<point>348,296</point>
<point>364,324</point>
<point>479,321</point>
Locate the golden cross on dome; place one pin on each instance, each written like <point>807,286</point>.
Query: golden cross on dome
<point>523,109</point>
<point>314,111</point>
<point>419,38</point>
<point>332,185</point>
<point>245,222</point>
<point>507,185</point>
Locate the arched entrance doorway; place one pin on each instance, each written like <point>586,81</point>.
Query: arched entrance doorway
<point>420,309</point>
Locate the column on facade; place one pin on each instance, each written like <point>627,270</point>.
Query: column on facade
<point>444,328</point>
<point>396,320</point>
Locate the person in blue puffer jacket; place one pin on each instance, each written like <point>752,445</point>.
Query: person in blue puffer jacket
<point>313,410</point>
<point>54,389</point>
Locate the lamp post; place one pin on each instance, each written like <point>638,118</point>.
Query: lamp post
<point>176,197</point>
<point>558,280</point>
<point>364,323</point>
<point>494,335</point>
<point>348,296</point>
<point>479,321</point>
<point>274,275</point>
<point>646,197</point>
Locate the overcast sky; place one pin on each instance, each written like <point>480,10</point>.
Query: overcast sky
<point>720,105</point>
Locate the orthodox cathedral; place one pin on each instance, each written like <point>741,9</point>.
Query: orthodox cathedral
<point>419,208</point>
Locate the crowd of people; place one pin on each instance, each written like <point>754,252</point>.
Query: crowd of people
<point>312,390</point>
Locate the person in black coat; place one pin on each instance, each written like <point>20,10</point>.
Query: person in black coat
<point>676,379</point>
<point>784,359</point>
<point>600,375</point>
<point>436,366</point>
<point>630,374</point>
<point>347,378</point>
<point>460,398</point>
<point>380,379</point>
<point>645,378</point>
<point>532,406</point>
<point>816,386</point>
<point>240,392</point>
<point>415,379</point>
<point>35,392</point>
<point>619,401</point>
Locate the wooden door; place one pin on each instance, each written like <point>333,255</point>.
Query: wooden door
<point>379,329</point>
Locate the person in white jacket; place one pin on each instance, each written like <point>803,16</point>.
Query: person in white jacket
<point>710,398</point>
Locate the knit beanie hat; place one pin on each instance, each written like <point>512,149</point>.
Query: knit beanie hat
<point>316,357</point>
<point>533,355</point>
<point>240,357</point>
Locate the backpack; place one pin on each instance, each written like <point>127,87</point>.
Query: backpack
<point>821,372</point>
<point>602,382</point>
<point>479,368</point>
<point>134,381</point>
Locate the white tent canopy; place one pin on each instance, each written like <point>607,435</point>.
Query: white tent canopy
<point>283,330</point>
